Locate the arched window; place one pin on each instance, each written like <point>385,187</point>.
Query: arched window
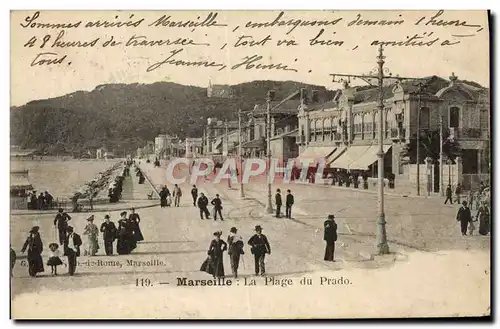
<point>334,122</point>
<point>454,119</point>
<point>327,128</point>
<point>358,129</point>
<point>367,124</point>
<point>388,122</point>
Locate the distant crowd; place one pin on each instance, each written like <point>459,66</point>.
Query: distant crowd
<point>43,201</point>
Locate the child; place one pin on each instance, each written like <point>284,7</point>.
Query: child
<point>54,259</point>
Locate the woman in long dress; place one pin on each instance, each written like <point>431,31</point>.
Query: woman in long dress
<point>214,264</point>
<point>134,222</point>
<point>124,243</point>
<point>483,215</point>
<point>92,232</point>
<point>35,247</point>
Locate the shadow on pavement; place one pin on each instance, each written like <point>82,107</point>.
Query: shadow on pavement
<point>168,252</point>
<point>161,242</point>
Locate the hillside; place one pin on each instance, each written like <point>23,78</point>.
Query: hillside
<point>125,116</point>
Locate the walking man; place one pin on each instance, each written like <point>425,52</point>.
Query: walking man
<point>288,204</point>
<point>217,203</point>
<point>448,195</point>
<point>109,231</point>
<point>61,221</point>
<point>202,205</point>
<point>278,202</point>
<point>72,245</point>
<point>259,248</point>
<point>464,217</point>
<point>330,237</point>
<point>235,250</point>
<point>177,195</point>
<point>194,194</point>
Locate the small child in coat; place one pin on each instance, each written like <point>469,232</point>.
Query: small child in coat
<point>54,259</point>
<point>472,227</point>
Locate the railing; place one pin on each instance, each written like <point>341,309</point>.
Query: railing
<point>466,133</point>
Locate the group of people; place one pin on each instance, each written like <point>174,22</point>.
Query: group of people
<point>127,234</point>
<point>289,201</point>
<point>214,264</point>
<point>465,218</point>
<point>43,201</point>
<point>115,189</point>
<point>259,247</point>
<point>473,198</point>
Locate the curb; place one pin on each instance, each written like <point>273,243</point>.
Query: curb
<point>83,212</point>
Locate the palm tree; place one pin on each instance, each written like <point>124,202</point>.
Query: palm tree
<point>429,147</point>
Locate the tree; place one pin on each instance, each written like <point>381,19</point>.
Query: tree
<point>429,147</point>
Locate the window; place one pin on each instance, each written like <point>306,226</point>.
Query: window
<point>454,117</point>
<point>424,118</point>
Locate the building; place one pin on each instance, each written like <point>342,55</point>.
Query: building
<point>220,91</point>
<point>220,136</point>
<point>163,145</point>
<point>193,146</point>
<point>344,131</point>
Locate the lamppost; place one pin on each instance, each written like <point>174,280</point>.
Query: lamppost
<point>226,138</point>
<point>441,186</point>
<point>381,234</point>
<point>242,192</point>
<point>269,98</point>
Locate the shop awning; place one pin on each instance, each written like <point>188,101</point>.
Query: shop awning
<point>367,158</point>
<point>358,157</point>
<point>316,153</point>
<point>19,183</point>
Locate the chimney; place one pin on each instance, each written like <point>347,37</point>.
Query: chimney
<point>303,95</point>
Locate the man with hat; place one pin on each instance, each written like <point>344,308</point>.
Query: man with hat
<point>330,237</point>
<point>109,231</point>
<point>259,248</point>
<point>61,221</point>
<point>72,244</point>
<point>464,217</point>
<point>278,202</point>
<point>202,205</point>
<point>235,243</point>
<point>289,201</point>
<point>217,203</point>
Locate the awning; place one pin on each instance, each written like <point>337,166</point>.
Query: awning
<point>316,153</point>
<point>19,183</point>
<point>358,157</point>
<point>368,158</point>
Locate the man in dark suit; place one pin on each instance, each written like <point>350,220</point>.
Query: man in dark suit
<point>464,217</point>
<point>217,203</point>
<point>259,248</point>
<point>288,204</point>
<point>61,221</point>
<point>194,194</point>
<point>278,202</point>
<point>448,195</point>
<point>72,245</point>
<point>109,233</point>
<point>330,237</point>
<point>202,205</point>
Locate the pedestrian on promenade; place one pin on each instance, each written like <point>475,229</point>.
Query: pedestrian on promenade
<point>177,195</point>
<point>217,203</point>
<point>259,248</point>
<point>278,202</point>
<point>48,200</point>
<point>41,201</point>
<point>330,237</point>
<point>124,244</point>
<point>215,251</point>
<point>109,232</point>
<point>72,245</point>
<point>34,246</point>
<point>483,215</point>
<point>289,203</point>
<point>194,194</point>
<point>13,258</point>
<point>61,221</point>
<point>448,195</point>
<point>235,250</point>
<point>164,195</point>
<point>92,232</point>
<point>464,217</point>
<point>458,192</point>
<point>134,220</point>
<point>202,205</point>
<point>54,260</point>
<point>470,198</point>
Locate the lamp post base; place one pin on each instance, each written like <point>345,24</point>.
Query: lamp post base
<point>382,246</point>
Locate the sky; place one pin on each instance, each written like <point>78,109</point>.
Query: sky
<point>84,68</point>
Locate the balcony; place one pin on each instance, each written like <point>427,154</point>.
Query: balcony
<point>466,133</point>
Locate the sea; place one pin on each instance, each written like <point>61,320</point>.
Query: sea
<point>60,176</point>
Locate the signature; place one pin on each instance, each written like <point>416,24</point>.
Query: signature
<point>253,62</point>
<point>179,62</point>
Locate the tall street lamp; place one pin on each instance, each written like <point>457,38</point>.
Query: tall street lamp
<point>242,192</point>
<point>379,76</point>
<point>269,98</point>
